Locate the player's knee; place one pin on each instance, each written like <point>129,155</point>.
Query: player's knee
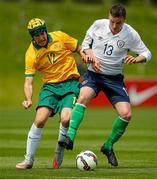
<point>83,99</point>
<point>125,114</point>
<point>65,120</point>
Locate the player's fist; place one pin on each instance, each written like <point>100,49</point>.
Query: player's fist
<point>26,104</point>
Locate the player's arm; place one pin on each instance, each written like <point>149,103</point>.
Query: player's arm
<point>138,47</point>
<point>82,54</point>
<point>28,91</point>
<point>132,60</point>
<point>87,44</point>
<point>89,57</point>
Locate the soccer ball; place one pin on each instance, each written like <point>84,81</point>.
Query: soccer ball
<point>86,160</point>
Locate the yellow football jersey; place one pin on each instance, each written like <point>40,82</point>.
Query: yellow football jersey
<point>56,62</point>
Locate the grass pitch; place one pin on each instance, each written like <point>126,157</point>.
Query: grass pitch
<point>136,151</point>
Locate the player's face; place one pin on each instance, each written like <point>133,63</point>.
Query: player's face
<point>115,24</point>
<point>41,39</point>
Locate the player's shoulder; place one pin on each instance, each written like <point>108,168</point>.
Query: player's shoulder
<point>101,22</point>
<point>30,48</point>
<point>129,29</point>
<point>58,35</point>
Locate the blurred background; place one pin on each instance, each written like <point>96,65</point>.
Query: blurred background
<point>73,17</point>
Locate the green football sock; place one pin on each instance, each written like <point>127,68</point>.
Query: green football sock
<point>118,129</point>
<point>75,120</point>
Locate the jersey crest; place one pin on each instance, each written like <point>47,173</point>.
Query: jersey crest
<point>120,43</point>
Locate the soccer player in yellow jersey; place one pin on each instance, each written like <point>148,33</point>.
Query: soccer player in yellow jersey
<point>52,55</point>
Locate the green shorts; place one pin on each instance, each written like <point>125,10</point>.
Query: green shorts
<point>59,95</point>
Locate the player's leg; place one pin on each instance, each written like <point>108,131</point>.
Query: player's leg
<point>119,126</point>
<point>86,94</point>
<point>69,91</point>
<point>120,123</point>
<point>88,91</point>
<point>33,138</point>
<point>59,151</point>
<point>114,88</point>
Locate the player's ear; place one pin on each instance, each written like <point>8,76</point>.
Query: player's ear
<point>34,42</point>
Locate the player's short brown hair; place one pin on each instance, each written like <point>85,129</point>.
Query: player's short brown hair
<point>118,10</point>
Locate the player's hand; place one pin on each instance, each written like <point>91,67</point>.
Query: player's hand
<point>27,103</point>
<point>129,59</point>
<point>87,59</point>
<point>90,59</point>
<point>96,65</point>
<point>87,56</point>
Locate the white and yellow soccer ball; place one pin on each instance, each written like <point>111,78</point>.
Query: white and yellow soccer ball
<point>86,161</point>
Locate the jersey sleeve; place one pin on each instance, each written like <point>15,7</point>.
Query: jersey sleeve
<point>29,65</point>
<point>70,42</point>
<point>88,40</point>
<point>138,46</point>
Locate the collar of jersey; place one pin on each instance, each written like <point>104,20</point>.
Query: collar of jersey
<point>109,32</point>
<point>49,40</point>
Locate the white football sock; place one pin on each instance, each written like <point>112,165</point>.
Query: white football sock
<point>32,142</point>
<point>61,137</point>
<point>62,133</point>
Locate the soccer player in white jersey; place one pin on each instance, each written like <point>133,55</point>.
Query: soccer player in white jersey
<point>106,44</point>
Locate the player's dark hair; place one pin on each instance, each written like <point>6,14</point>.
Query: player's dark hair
<point>118,10</point>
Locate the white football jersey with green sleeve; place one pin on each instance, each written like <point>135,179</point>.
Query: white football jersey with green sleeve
<point>112,49</point>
